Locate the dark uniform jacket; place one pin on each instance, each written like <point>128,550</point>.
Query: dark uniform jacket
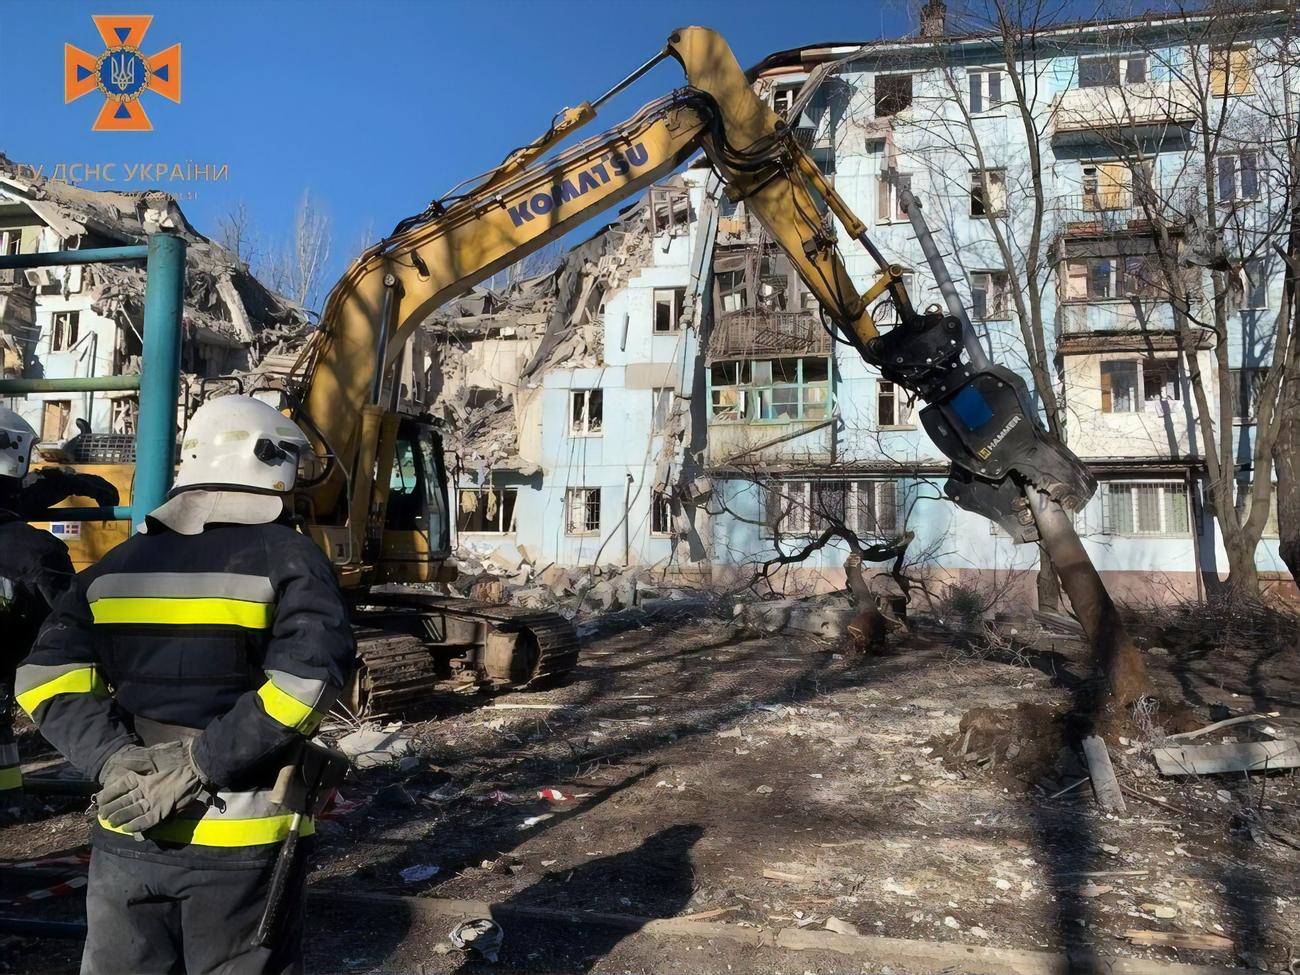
<point>239,633</point>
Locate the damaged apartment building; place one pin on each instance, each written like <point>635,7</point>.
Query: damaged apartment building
<point>86,320</point>
<point>671,397</point>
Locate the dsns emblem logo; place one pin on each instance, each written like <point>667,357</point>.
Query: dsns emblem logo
<point>122,73</point>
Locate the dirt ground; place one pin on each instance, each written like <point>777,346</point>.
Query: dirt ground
<point>779,781</point>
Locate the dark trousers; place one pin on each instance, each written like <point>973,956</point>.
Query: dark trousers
<point>152,918</point>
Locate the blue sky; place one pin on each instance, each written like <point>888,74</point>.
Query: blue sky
<point>376,107</point>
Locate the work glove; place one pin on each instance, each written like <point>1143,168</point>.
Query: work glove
<point>142,760</point>
<point>134,802</point>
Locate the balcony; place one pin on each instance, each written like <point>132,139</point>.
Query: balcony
<point>1112,211</point>
<point>756,332</point>
<point>1150,108</point>
<point>1123,316</point>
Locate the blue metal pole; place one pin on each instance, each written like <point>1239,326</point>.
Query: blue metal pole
<point>91,255</point>
<point>155,442</point>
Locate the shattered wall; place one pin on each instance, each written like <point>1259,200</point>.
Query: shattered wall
<point>88,320</point>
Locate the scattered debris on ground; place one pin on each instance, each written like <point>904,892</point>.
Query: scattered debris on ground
<point>715,789</point>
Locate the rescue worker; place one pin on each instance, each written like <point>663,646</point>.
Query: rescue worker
<point>34,567</point>
<point>184,671</point>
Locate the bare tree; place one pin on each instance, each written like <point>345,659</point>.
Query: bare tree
<point>1216,221</point>
<point>976,171</point>
<point>297,269</point>
<point>235,232</point>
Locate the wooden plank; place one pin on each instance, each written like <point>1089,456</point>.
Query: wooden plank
<point>1179,939</point>
<point>1219,725</point>
<point>1104,783</point>
<point>1244,756</point>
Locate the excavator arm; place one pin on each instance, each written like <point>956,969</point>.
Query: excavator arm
<point>1006,465</point>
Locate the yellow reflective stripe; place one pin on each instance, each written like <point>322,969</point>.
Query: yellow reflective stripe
<point>207,610</point>
<point>288,710</point>
<point>222,832</point>
<point>83,680</point>
<point>11,778</point>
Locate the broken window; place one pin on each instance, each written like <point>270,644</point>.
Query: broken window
<point>11,242</point>
<point>661,513</point>
<point>1105,278</point>
<point>670,210</point>
<point>893,94</point>
<point>586,414</point>
<point>888,208</point>
<point>65,327</point>
<point>1237,177</point>
<point>1246,385</point>
<point>669,304</point>
<point>731,289</point>
<point>663,409</point>
<point>1110,185</point>
<point>54,419</point>
<point>779,390</point>
<point>893,407</point>
<point>582,507</point>
<point>126,411</point>
<point>1255,290</point>
<point>988,295</point>
<point>1145,508</point>
<point>988,193</point>
<point>783,101</point>
<point>1111,71</point>
<point>1121,380</point>
<point>1230,70</point>
<point>487,510</point>
<point>985,88</point>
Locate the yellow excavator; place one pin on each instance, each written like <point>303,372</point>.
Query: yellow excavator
<point>378,504</point>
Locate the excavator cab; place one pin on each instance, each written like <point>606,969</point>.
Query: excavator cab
<point>417,526</point>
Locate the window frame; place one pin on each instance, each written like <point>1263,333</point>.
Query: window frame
<point>877,97</point>
<point>661,511</point>
<point>979,191</point>
<point>1231,83</point>
<point>61,322</point>
<point>511,490</point>
<point>809,522</point>
<point>1122,63</point>
<point>570,496</point>
<point>583,427</point>
<point>1142,403</point>
<point>751,395</point>
<point>885,185</point>
<point>1001,306</point>
<point>981,80</point>
<point>1131,487</point>
<point>676,300</point>
<point>900,404</point>
<point>1246,411</point>
<point>1236,181</point>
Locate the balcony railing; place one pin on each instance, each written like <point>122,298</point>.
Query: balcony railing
<point>1084,111</point>
<point>1116,210</point>
<point>758,332</point>
<point>1130,315</point>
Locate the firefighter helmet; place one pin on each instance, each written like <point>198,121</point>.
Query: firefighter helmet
<point>17,438</point>
<point>238,443</point>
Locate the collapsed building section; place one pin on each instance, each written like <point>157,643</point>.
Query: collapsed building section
<point>87,320</point>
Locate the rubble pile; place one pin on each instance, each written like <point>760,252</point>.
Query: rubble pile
<point>508,574</point>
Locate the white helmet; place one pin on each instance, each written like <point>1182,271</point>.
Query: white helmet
<point>237,443</point>
<point>16,441</point>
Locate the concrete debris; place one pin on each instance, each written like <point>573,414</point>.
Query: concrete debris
<point>481,934</point>
<point>1245,756</point>
<point>370,747</point>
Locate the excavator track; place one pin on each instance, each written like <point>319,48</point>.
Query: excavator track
<point>414,645</point>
